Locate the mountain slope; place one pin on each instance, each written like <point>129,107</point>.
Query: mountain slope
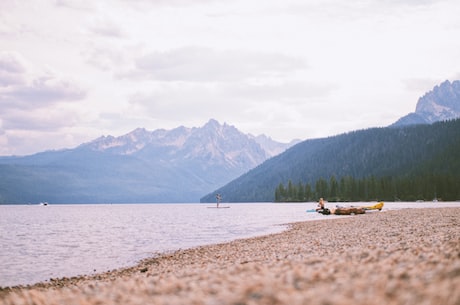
<point>177,165</point>
<point>404,151</point>
<point>440,104</point>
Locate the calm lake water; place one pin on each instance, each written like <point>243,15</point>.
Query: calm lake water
<point>42,242</point>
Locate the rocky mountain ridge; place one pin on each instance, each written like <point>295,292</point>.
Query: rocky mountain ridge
<point>440,104</point>
<point>177,165</point>
<point>223,144</point>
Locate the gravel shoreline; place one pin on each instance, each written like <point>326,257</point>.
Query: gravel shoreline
<point>409,256</point>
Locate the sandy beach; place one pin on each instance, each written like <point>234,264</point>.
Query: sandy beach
<point>410,256</point>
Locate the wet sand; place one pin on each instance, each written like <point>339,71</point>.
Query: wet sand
<point>409,256</point>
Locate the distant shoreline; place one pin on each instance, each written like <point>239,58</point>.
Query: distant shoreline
<point>402,256</point>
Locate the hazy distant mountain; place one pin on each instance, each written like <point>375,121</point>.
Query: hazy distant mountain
<point>440,104</point>
<point>177,165</point>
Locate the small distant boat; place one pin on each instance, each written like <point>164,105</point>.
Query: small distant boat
<point>44,203</point>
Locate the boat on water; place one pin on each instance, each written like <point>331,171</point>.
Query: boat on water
<point>43,203</point>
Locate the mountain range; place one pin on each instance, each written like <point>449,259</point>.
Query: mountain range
<point>177,165</point>
<point>184,164</point>
<point>422,152</point>
<point>410,147</point>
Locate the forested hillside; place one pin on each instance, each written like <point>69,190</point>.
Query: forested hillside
<point>409,154</point>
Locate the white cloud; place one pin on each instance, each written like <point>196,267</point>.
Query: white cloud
<point>398,3</point>
<point>11,62</point>
<point>76,69</point>
<point>167,3</point>
<point>107,29</point>
<point>208,65</point>
<point>45,119</point>
<point>31,103</point>
<point>20,88</point>
<point>420,84</point>
<point>42,92</point>
<point>245,105</point>
<point>84,5</point>
<point>105,59</point>
<point>12,68</point>
<point>278,91</point>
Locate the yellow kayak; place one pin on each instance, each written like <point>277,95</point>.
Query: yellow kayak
<point>377,206</point>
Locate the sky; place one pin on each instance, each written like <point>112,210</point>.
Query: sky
<point>74,70</point>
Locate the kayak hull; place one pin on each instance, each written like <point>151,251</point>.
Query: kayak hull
<point>377,206</point>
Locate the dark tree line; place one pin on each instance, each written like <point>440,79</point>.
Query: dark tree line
<point>347,188</point>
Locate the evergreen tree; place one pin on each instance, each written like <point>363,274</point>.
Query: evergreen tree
<point>333,189</point>
<point>300,192</point>
<point>321,188</point>
<point>308,192</point>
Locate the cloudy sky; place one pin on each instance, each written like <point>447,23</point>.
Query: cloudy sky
<point>73,70</point>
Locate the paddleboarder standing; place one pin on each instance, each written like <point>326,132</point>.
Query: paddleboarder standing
<point>218,199</point>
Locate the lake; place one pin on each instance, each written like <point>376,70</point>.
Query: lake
<point>42,242</point>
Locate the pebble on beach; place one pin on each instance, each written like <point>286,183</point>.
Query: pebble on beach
<point>409,256</point>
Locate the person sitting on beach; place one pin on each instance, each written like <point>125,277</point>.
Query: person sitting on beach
<point>320,204</point>
<point>321,208</point>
